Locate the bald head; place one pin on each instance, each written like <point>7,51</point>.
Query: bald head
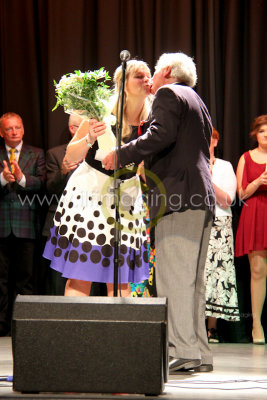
<point>74,122</point>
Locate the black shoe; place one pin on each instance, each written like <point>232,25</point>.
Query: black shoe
<point>213,336</point>
<point>177,364</point>
<point>200,368</point>
<point>204,368</point>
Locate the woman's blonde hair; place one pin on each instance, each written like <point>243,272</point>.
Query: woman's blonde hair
<point>132,67</point>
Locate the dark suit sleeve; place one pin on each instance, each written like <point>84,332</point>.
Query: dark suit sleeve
<point>3,189</point>
<point>162,132</point>
<point>56,181</point>
<point>34,172</point>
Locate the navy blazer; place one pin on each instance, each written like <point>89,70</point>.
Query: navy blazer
<point>175,148</point>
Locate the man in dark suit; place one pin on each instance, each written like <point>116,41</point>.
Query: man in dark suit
<point>175,148</point>
<point>58,175</point>
<point>22,175</point>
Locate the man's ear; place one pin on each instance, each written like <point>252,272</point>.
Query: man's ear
<point>71,129</point>
<point>167,72</point>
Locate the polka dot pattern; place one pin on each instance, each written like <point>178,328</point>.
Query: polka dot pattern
<point>90,225</point>
<point>82,238</point>
<point>86,247</point>
<point>63,242</point>
<point>81,232</point>
<point>106,262</point>
<point>101,239</point>
<point>95,256</point>
<point>73,256</point>
<point>83,257</point>
<point>107,250</point>
<point>54,241</point>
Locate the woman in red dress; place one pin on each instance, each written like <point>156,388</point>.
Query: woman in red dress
<point>251,237</point>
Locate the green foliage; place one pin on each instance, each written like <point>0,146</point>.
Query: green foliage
<point>84,93</point>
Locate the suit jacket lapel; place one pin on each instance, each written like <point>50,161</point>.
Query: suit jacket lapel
<point>25,156</point>
<point>3,155</point>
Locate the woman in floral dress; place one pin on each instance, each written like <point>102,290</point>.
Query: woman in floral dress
<point>221,293</point>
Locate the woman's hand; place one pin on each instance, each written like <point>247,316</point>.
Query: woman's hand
<point>251,188</point>
<point>261,180</point>
<point>96,129</point>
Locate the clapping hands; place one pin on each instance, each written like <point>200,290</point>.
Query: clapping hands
<point>7,174</point>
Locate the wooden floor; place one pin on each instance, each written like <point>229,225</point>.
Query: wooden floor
<point>240,372</point>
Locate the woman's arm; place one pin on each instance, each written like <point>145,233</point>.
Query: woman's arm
<point>251,188</point>
<point>224,184</point>
<point>222,198</point>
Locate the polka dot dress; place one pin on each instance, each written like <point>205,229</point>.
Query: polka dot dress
<point>81,242</point>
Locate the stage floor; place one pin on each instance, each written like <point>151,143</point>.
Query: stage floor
<point>240,372</point>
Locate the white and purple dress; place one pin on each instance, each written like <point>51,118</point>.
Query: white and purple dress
<point>81,242</point>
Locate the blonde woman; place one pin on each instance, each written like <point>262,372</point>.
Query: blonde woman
<point>81,246</point>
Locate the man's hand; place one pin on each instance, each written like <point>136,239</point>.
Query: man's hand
<point>17,171</point>
<point>109,161</point>
<point>68,166</point>
<point>141,171</point>
<point>7,174</point>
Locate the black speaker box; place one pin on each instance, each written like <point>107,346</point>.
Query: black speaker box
<point>89,344</point>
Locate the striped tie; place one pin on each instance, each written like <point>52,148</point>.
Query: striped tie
<point>12,157</point>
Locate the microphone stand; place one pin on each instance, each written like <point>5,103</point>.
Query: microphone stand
<point>117,234</point>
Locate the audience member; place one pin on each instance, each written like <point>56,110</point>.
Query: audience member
<point>175,149</point>
<point>220,277</point>
<point>22,175</point>
<point>251,236</point>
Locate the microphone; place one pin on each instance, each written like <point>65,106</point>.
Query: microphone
<point>125,55</point>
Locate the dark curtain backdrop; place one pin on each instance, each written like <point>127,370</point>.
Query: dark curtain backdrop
<point>43,39</point>
<point>40,40</point>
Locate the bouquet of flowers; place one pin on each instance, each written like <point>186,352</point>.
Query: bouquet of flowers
<point>85,93</point>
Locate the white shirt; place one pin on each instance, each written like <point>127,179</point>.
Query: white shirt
<point>223,176</point>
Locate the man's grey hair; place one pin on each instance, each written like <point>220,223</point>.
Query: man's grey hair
<point>183,67</point>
